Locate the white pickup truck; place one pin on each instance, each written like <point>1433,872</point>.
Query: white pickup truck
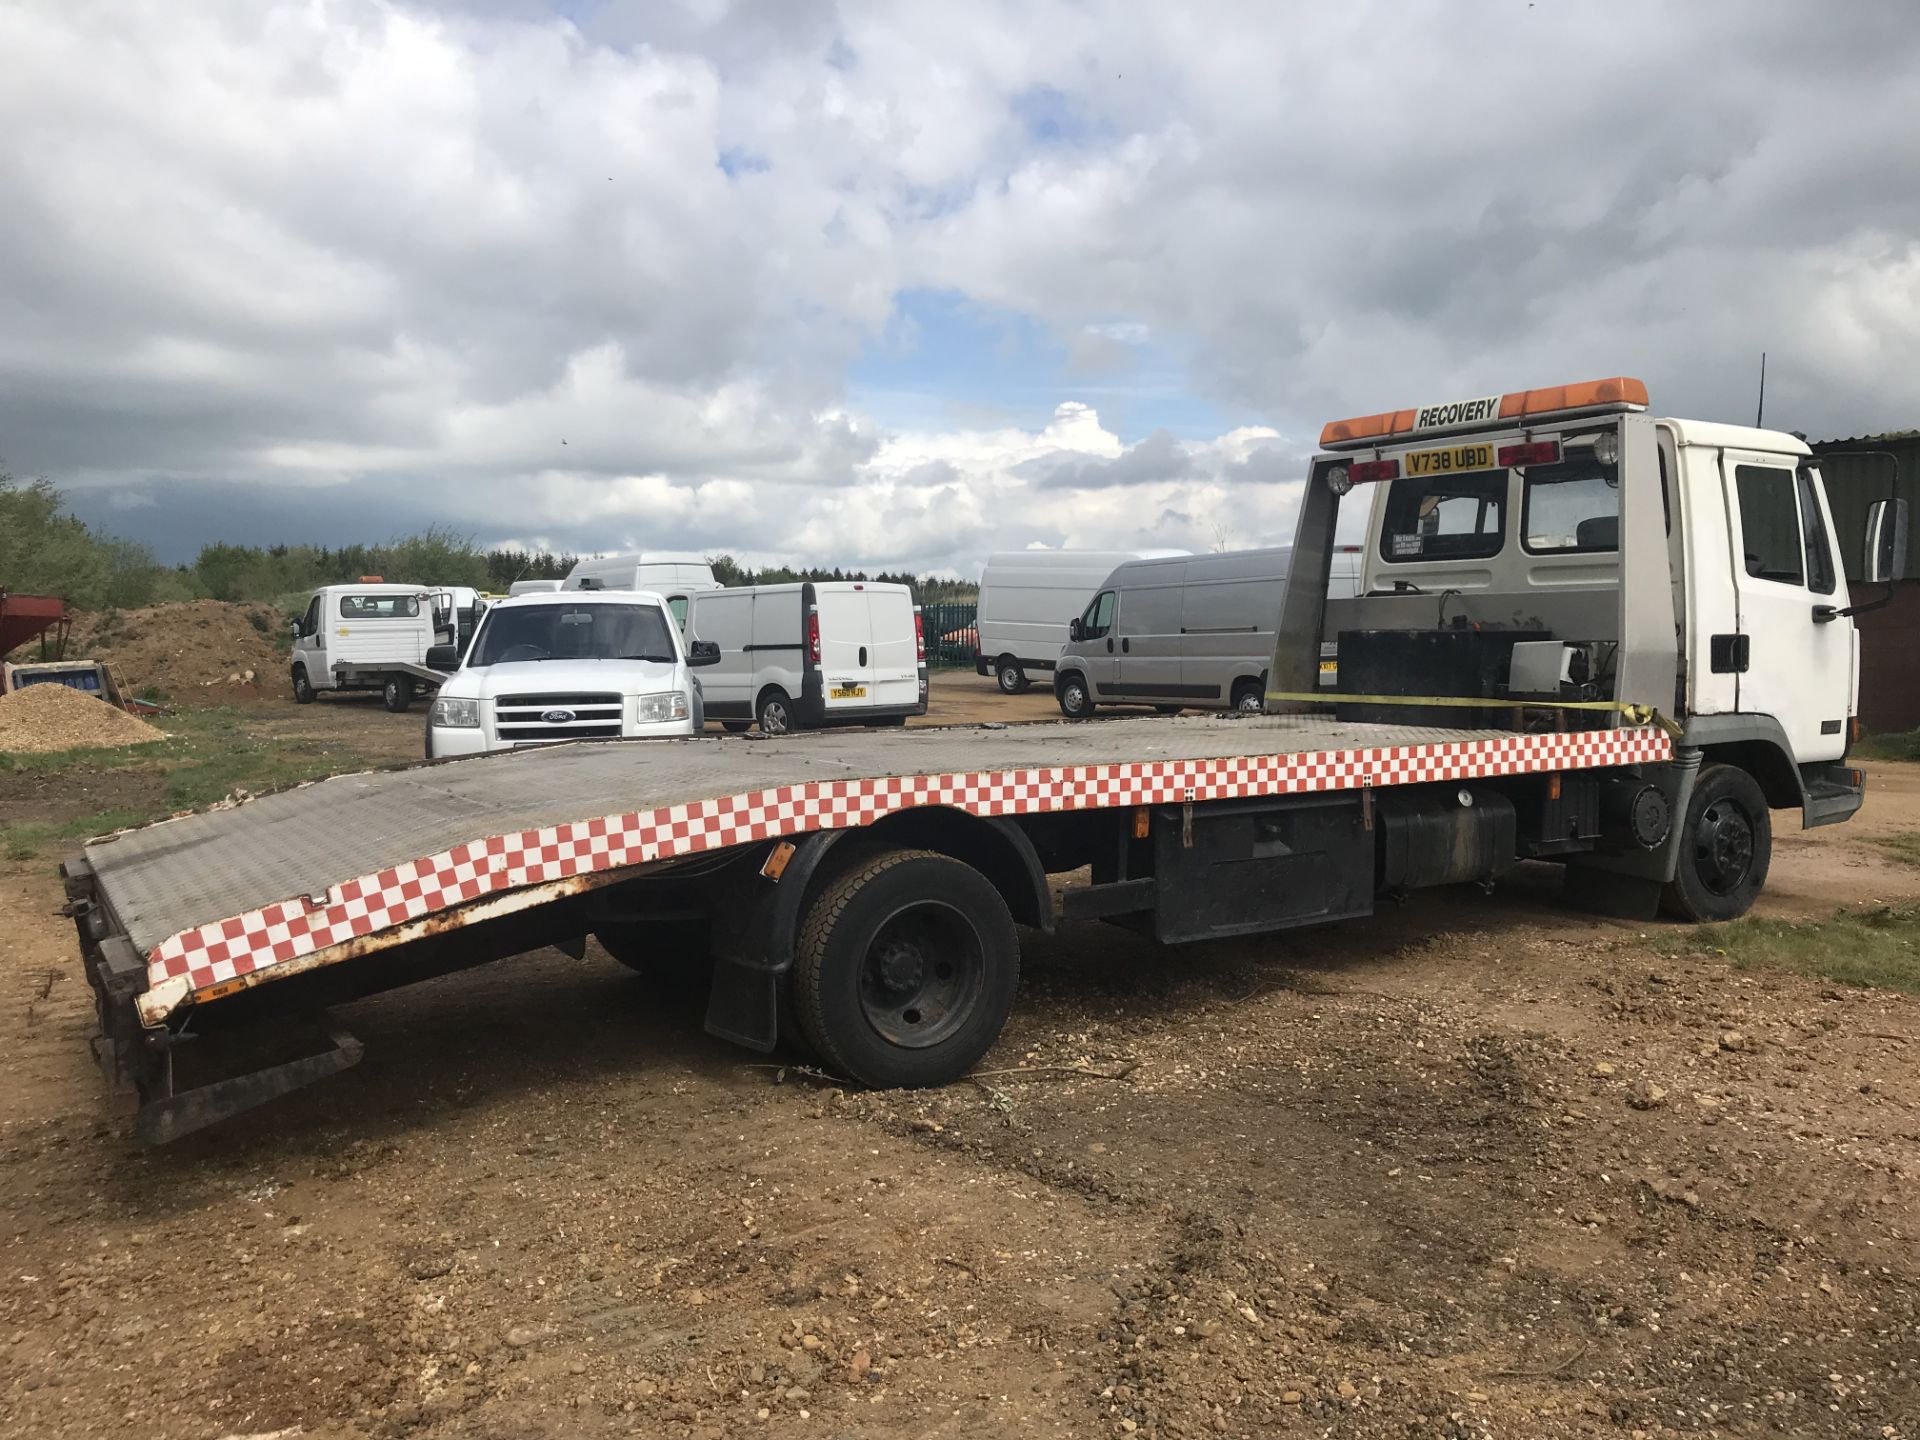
<point>570,665</point>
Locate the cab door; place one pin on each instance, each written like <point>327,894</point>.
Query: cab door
<point>1099,645</point>
<point>310,647</point>
<point>1793,653</point>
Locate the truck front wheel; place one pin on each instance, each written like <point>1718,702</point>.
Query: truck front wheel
<point>1725,848</point>
<point>397,693</point>
<point>905,970</point>
<point>302,687</point>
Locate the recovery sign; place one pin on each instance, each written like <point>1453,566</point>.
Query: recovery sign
<point>1456,413</point>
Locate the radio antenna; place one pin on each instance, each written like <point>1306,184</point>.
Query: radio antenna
<point>1760,410</point>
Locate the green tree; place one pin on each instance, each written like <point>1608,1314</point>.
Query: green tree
<point>46,552</point>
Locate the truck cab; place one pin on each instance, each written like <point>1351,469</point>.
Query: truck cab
<point>1557,557</point>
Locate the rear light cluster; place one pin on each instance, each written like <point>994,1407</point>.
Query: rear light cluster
<point>813,638</point>
<point>1534,452</point>
<point>1367,472</point>
<point>919,636</point>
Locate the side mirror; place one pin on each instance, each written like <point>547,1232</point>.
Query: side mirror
<point>1076,632</point>
<point>1885,559</point>
<point>703,652</point>
<point>298,627</point>
<point>443,657</point>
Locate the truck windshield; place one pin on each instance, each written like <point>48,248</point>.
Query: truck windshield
<point>574,632</point>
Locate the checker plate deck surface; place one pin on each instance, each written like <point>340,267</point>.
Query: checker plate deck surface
<point>223,895</point>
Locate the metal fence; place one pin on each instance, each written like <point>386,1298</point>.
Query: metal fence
<point>952,640</point>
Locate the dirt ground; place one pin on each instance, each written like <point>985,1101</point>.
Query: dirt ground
<point>1478,1166</point>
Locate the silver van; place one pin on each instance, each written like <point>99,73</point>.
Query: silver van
<point>1178,632</point>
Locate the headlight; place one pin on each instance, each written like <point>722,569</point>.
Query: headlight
<point>455,714</point>
<point>657,709</point>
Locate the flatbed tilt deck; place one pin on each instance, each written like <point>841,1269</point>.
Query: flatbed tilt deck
<point>865,891</point>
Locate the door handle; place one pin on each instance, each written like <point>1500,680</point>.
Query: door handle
<point>1822,614</point>
<point>1127,645</point>
<point>863,657</point>
<point>1109,645</point>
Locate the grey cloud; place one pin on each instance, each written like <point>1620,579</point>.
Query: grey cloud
<point>1157,458</point>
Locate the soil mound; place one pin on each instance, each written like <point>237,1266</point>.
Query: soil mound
<point>193,652</point>
<point>57,717</point>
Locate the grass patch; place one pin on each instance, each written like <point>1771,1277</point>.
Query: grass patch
<point>1878,947</point>
<point>207,755</point>
<point>1901,745</point>
<point>1904,847</point>
<point>26,842</point>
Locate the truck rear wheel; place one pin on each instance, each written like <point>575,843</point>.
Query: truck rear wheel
<point>302,687</point>
<point>672,950</point>
<point>905,970</point>
<point>1013,680</point>
<point>397,693</point>
<point>1725,849</point>
<point>1076,701</point>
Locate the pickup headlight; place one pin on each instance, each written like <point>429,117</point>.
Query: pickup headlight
<point>455,714</point>
<point>659,708</point>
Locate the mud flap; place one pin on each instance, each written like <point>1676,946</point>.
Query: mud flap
<point>755,923</point>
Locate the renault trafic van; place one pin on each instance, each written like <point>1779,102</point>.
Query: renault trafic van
<point>804,655</point>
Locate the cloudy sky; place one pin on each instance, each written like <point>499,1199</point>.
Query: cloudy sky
<point>899,284</point>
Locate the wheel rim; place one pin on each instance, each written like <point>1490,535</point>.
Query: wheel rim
<point>1723,846</point>
<point>393,692</point>
<point>922,975</point>
<point>1249,702</point>
<point>1076,698</point>
<point>1009,678</point>
<point>773,718</point>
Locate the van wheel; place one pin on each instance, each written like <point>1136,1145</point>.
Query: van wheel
<point>776,713</point>
<point>397,694</point>
<point>1013,680</point>
<point>1725,849</point>
<point>1248,698</point>
<point>905,970</point>
<point>1075,702</point>
<point>302,687</point>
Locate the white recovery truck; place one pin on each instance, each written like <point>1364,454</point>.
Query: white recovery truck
<point>1657,653</point>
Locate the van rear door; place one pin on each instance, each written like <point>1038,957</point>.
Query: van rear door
<point>895,656</point>
<point>846,647</point>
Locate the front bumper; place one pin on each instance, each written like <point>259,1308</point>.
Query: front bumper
<point>447,741</point>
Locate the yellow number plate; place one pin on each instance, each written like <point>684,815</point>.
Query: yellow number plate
<point>1450,461</point>
<point>848,692</point>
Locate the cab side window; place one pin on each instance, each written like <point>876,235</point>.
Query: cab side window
<point>310,624</point>
<point>1098,619</point>
<point>1813,534</point>
<point>1770,524</point>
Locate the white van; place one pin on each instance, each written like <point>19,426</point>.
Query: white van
<point>555,667</point>
<point>365,637</point>
<point>1186,631</point>
<point>676,575</point>
<point>1027,600</point>
<point>825,652</point>
<point>534,587</point>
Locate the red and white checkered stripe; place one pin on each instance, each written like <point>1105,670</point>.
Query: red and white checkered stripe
<point>226,950</point>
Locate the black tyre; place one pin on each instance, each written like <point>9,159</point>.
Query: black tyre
<point>905,970</point>
<point>1167,709</point>
<point>672,951</point>
<point>775,712</point>
<point>302,687</point>
<point>1013,680</point>
<point>1248,698</point>
<point>1725,848</point>
<point>736,727</point>
<point>397,694</point>
<point>1076,701</point>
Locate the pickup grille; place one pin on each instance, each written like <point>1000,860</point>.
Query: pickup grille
<point>522,719</point>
